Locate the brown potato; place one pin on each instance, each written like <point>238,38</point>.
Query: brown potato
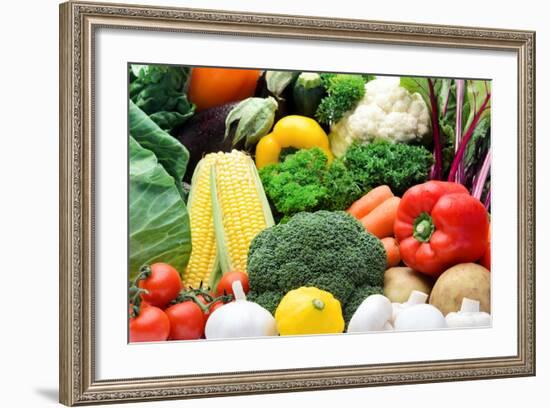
<point>400,281</point>
<point>463,280</point>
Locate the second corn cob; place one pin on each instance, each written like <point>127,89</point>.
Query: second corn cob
<point>240,208</point>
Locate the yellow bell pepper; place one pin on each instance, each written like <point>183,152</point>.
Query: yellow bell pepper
<point>308,310</point>
<point>295,131</point>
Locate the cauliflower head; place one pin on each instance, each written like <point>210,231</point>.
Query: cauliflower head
<point>386,112</point>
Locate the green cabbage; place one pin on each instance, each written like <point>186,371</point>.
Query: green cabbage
<point>159,229</point>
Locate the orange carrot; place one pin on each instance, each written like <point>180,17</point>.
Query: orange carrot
<point>393,256</point>
<point>380,221</point>
<point>370,201</point>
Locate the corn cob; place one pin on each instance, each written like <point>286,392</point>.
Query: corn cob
<point>203,262</point>
<point>227,209</point>
<point>240,208</point>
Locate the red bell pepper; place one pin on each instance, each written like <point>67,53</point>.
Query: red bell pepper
<point>439,224</point>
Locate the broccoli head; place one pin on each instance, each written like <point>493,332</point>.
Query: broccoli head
<point>357,297</point>
<point>330,250</point>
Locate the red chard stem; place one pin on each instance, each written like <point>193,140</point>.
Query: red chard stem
<point>479,183</point>
<point>465,139</point>
<point>438,165</point>
<point>458,125</point>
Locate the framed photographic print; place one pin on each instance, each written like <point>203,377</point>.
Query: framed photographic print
<point>255,203</point>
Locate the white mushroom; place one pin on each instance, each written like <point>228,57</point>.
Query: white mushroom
<point>420,317</point>
<point>468,315</point>
<point>415,298</point>
<point>373,314</point>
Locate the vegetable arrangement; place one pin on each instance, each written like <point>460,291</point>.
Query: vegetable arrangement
<point>275,203</point>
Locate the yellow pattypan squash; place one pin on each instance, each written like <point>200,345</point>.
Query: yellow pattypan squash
<point>308,310</point>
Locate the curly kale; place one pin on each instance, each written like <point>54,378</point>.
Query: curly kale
<point>305,181</point>
<point>357,297</point>
<point>344,92</point>
<point>330,250</point>
<point>398,165</point>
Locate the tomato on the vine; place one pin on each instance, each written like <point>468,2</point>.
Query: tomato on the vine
<point>187,321</point>
<point>162,283</point>
<point>225,283</point>
<point>151,324</point>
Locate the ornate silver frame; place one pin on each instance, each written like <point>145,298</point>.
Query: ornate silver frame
<point>78,22</point>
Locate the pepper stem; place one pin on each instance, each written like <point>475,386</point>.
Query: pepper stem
<point>318,304</point>
<point>423,227</point>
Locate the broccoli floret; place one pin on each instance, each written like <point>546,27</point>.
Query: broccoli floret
<point>330,250</point>
<point>305,181</point>
<point>357,297</point>
<point>397,165</point>
<point>344,92</point>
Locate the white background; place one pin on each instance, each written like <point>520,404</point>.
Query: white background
<point>28,216</point>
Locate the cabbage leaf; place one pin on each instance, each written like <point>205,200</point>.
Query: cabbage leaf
<point>159,229</point>
<point>171,154</point>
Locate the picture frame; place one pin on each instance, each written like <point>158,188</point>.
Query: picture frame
<point>79,22</point>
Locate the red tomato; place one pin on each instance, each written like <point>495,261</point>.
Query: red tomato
<point>163,285</point>
<point>186,321</point>
<point>227,280</point>
<point>214,307</point>
<point>211,87</point>
<point>151,324</point>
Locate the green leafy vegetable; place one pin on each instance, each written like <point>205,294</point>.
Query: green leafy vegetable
<point>169,151</point>
<point>304,181</point>
<point>344,92</point>
<point>159,227</point>
<point>159,91</point>
<point>397,165</point>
